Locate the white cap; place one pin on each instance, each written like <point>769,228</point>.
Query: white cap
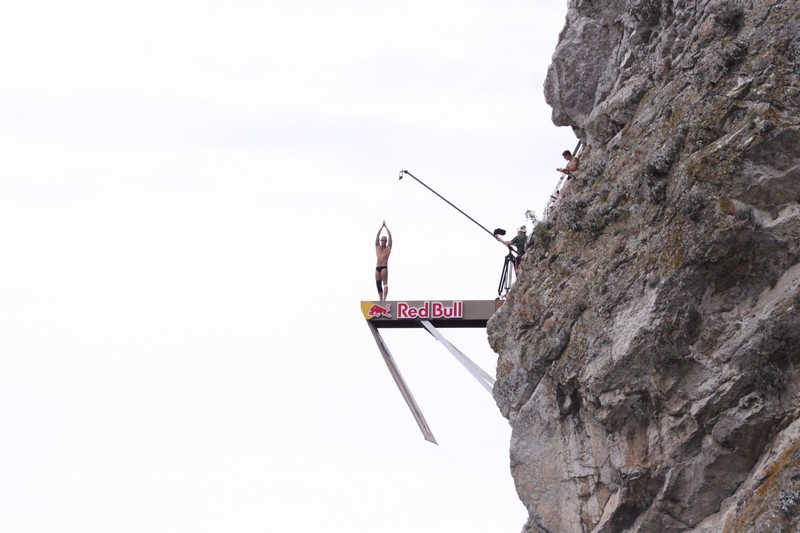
<point>523,229</point>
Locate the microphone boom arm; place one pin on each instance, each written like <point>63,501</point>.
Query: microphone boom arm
<point>446,200</point>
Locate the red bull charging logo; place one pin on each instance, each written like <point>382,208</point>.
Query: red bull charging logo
<point>376,311</point>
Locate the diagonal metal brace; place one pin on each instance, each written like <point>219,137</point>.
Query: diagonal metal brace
<point>477,372</point>
<point>401,384</point>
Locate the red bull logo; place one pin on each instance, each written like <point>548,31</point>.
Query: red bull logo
<point>430,310</point>
<point>377,311</point>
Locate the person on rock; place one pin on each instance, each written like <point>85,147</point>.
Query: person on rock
<point>517,242</point>
<point>572,163</point>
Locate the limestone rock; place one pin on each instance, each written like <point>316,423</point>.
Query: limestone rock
<point>649,353</point>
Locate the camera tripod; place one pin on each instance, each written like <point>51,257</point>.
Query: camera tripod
<point>506,277</point>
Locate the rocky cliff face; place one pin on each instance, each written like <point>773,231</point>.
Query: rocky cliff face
<point>649,353</point>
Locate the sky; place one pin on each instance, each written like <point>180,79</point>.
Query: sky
<point>189,197</point>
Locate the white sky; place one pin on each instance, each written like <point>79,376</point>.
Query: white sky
<point>189,196</point>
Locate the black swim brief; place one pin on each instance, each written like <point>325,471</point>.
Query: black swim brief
<point>378,269</point>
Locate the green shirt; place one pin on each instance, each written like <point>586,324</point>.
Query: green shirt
<point>519,243</point>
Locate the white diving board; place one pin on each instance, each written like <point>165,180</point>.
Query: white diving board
<point>429,314</point>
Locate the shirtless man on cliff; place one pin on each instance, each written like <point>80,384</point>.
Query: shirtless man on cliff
<point>383,247</point>
<point>572,163</point>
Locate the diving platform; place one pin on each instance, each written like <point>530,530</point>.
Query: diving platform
<point>440,313</point>
<point>430,315</point>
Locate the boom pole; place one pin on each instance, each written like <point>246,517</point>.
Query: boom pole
<point>446,200</point>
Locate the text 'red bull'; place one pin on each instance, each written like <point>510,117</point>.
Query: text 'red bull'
<point>430,310</point>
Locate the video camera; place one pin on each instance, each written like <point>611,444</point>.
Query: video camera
<point>498,231</point>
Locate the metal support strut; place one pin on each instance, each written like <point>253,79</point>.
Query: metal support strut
<point>401,384</point>
<point>477,372</point>
<point>428,314</point>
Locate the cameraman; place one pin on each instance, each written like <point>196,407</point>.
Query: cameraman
<point>517,242</point>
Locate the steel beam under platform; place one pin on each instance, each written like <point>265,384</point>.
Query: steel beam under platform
<point>429,314</point>
<point>401,384</point>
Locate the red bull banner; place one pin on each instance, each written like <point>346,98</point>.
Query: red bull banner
<point>409,313</point>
